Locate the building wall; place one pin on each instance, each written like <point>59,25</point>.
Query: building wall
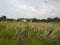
<point>26,20</point>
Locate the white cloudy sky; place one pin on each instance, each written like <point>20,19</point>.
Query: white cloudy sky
<point>30,8</point>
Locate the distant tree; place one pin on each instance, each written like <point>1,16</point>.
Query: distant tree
<point>3,18</point>
<point>56,19</point>
<point>49,20</point>
<point>43,20</point>
<point>35,20</point>
<point>19,19</point>
<point>10,19</point>
<point>0,19</point>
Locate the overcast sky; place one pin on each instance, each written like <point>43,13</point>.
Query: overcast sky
<point>30,8</point>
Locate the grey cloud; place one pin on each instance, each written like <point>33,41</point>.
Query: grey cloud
<point>32,8</point>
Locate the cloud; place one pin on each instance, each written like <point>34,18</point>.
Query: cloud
<point>24,7</point>
<point>32,8</point>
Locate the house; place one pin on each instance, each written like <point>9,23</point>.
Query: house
<point>29,20</point>
<point>24,20</point>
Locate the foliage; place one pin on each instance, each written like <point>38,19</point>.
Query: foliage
<point>55,19</point>
<point>24,33</point>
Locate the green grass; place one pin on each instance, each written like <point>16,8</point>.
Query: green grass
<point>26,33</point>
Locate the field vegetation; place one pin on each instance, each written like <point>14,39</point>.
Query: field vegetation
<point>29,33</point>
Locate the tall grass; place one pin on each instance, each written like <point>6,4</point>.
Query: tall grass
<point>25,33</point>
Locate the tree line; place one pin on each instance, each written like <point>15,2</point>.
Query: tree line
<point>55,19</point>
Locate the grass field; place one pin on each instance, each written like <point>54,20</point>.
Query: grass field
<point>28,33</point>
